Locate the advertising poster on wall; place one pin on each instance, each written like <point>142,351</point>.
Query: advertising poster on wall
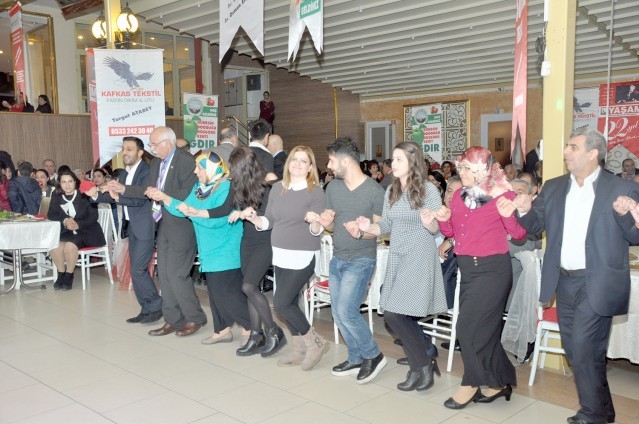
<point>426,124</point>
<point>585,108</point>
<point>93,106</point>
<point>17,46</point>
<point>129,93</point>
<point>623,114</point>
<point>200,121</point>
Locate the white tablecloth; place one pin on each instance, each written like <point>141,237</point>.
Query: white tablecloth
<point>378,276</point>
<point>624,335</point>
<point>38,234</point>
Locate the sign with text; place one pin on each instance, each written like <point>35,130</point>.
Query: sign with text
<point>200,121</point>
<point>622,102</point>
<point>248,14</point>
<point>305,14</point>
<point>426,123</point>
<point>129,97</point>
<point>585,108</point>
<point>17,46</point>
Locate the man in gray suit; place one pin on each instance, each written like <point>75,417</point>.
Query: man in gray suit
<point>588,230</point>
<point>139,226</point>
<point>226,143</point>
<point>172,172</point>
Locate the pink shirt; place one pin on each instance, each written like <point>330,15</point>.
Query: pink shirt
<point>482,231</point>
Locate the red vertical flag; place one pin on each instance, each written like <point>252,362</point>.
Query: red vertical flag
<point>17,45</point>
<point>520,85</point>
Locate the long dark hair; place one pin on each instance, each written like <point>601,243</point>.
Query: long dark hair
<point>3,177</point>
<point>247,176</point>
<point>417,177</point>
<point>58,187</point>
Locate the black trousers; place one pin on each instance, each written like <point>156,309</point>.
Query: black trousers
<point>584,337</point>
<point>285,300</point>
<point>485,285</point>
<point>414,343</point>
<point>228,303</point>
<point>140,253</point>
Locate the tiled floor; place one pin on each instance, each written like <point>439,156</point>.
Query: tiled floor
<point>69,357</point>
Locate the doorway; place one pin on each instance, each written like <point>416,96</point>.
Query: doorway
<point>380,138</point>
<point>496,136</point>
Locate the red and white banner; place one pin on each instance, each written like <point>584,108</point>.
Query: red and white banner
<point>520,86</point>
<point>129,97</point>
<point>623,115</point>
<point>17,46</point>
<point>93,106</point>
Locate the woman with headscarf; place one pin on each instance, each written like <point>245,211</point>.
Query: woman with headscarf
<point>80,228</point>
<point>413,286</point>
<point>218,241</point>
<point>480,228</point>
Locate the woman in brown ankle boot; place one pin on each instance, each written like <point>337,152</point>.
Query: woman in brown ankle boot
<point>294,244</point>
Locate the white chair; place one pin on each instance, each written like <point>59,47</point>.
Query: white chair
<point>102,253</point>
<point>547,328</point>
<point>318,294</point>
<point>444,326</point>
<point>37,275</point>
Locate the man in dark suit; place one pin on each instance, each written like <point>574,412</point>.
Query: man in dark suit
<point>276,147</point>
<point>260,132</point>
<point>139,226</point>
<point>226,143</point>
<point>172,172</point>
<point>588,230</point>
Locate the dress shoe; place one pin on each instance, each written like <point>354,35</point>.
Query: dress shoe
<point>67,282</point>
<point>370,368</point>
<point>162,331</point>
<point>452,403</point>
<point>346,368</point>
<point>402,361</point>
<point>253,345</point>
<point>137,319</point>
<point>151,318</point>
<point>189,328</point>
<point>275,340</point>
<point>576,420</point>
<point>505,392</point>
<point>446,345</point>
<point>218,338</point>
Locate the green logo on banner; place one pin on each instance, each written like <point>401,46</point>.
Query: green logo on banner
<point>310,7</point>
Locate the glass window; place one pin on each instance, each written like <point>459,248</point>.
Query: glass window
<point>161,41</point>
<point>169,98</point>
<point>184,49</point>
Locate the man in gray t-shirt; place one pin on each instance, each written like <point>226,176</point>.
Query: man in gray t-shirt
<point>351,195</point>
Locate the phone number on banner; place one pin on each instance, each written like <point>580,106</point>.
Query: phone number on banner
<point>125,131</point>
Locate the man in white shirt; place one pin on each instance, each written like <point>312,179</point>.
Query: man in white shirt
<point>49,165</point>
<point>139,226</point>
<point>588,230</point>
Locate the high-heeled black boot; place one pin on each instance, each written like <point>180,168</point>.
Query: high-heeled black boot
<point>426,377</point>
<point>412,379</point>
<point>58,282</point>
<point>67,282</point>
<point>275,340</point>
<point>253,345</point>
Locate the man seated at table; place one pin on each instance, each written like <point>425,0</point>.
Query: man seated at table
<point>24,192</point>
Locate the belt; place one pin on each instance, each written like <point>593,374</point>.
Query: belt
<point>572,272</point>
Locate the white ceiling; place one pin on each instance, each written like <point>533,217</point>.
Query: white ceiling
<point>390,47</point>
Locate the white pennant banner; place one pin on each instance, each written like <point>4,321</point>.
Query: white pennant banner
<point>248,14</point>
<point>305,14</point>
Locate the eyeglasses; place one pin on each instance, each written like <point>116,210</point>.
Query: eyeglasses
<point>464,168</point>
<point>156,144</point>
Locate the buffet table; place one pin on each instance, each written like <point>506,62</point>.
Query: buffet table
<point>17,234</point>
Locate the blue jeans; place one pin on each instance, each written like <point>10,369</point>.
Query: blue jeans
<point>348,282</point>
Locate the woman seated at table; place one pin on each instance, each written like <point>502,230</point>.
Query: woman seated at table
<point>218,241</point>
<point>413,286</point>
<point>80,228</point>
<point>42,177</point>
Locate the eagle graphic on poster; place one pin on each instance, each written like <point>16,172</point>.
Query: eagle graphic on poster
<point>577,107</point>
<point>123,70</point>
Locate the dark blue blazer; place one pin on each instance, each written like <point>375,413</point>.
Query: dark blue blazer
<point>607,241</point>
<point>140,215</point>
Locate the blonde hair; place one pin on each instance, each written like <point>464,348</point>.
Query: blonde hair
<point>312,179</point>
